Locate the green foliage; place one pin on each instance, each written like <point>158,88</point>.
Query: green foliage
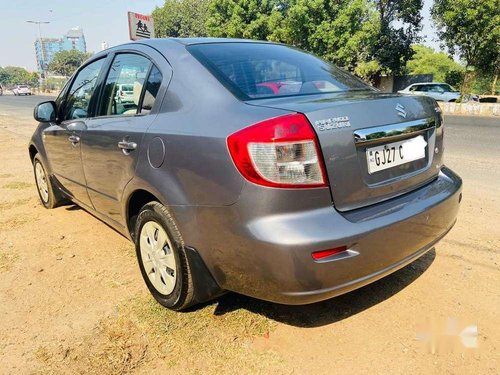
<point>346,32</point>
<point>399,27</point>
<point>53,84</point>
<point>470,29</point>
<point>251,19</point>
<point>455,77</point>
<point>66,62</point>
<point>12,75</point>
<point>181,18</point>
<point>338,31</point>
<point>368,70</point>
<point>427,61</point>
<point>482,84</point>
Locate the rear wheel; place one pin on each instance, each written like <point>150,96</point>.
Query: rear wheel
<point>162,258</point>
<point>44,185</point>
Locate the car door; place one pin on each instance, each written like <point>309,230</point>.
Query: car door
<point>436,92</point>
<point>62,140</point>
<point>112,140</point>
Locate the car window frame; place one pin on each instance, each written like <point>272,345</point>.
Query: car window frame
<point>144,52</point>
<point>71,81</point>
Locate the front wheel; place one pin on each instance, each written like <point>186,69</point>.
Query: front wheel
<point>44,185</point>
<point>162,259</point>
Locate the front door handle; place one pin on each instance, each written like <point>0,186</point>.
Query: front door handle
<point>74,139</point>
<point>127,146</point>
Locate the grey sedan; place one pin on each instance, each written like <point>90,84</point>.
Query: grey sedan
<point>246,166</point>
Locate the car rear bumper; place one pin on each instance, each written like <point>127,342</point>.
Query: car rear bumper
<point>251,249</point>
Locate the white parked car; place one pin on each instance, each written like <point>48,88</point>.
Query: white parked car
<point>21,90</point>
<point>125,93</point>
<point>442,92</point>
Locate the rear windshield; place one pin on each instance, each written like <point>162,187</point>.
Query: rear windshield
<point>261,70</point>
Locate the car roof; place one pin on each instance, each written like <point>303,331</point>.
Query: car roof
<point>428,83</point>
<point>191,41</point>
<point>166,44</point>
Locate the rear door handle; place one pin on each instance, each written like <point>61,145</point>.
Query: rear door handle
<point>127,146</point>
<point>74,139</point>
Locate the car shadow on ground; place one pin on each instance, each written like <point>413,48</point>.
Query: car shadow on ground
<point>334,309</point>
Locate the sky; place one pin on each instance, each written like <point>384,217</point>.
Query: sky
<point>101,20</point>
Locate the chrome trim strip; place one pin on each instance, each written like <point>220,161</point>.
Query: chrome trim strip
<point>392,132</point>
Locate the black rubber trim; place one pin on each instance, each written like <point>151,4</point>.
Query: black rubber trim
<point>205,286</point>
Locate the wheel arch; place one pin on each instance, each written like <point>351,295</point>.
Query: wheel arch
<point>135,201</point>
<point>32,151</point>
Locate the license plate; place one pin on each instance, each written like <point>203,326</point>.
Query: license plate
<point>394,154</point>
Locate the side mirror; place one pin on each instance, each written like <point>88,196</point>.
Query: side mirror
<point>45,111</point>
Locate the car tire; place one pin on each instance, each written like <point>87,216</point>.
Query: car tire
<point>162,258</point>
<point>44,185</point>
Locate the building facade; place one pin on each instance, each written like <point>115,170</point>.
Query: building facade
<point>46,48</point>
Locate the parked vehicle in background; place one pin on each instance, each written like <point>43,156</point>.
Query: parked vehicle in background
<point>125,93</point>
<point>21,90</point>
<point>441,92</point>
<point>294,192</point>
<point>1,90</point>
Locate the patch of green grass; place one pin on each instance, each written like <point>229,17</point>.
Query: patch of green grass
<point>18,185</point>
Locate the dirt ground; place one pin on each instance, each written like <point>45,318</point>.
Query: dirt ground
<point>72,299</point>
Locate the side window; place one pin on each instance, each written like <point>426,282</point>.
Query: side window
<point>124,85</point>
<point>81,91</point>
<point>152,88</point>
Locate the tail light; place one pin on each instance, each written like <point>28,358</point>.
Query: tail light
<point>279,152</point>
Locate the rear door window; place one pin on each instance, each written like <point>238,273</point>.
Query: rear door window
<point>262,70</point>
<point>130,71</point>
<point>151,90</point>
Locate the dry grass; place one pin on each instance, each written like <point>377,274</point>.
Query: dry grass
<point>143,336</point>
<point>14,203</point>
<point>13,223</point>
<point>6,261</point>
<point>17,185</point>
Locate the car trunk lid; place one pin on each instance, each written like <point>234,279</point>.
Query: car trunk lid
<point>350,125</point>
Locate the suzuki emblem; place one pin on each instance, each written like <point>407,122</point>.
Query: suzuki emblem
<point>401,110</point>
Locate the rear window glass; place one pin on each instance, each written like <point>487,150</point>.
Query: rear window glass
<point>260,70</point>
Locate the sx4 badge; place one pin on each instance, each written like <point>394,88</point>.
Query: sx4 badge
<point>333,123</point>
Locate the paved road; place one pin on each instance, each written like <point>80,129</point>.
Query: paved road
<point>472,149</point>
<point>472,143</point>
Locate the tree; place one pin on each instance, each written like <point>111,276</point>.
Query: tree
<point>376,33</point>
<point>471,30</point>
<point>252,19</point>
<point>339,31</point>
<point>12,75</point>
<point>427,61</point>
<point>181,18</point>
<point>66,62</point>
<point>399,28</point>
